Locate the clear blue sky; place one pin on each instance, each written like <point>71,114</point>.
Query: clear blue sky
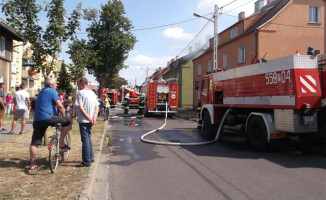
<point>157,46</point>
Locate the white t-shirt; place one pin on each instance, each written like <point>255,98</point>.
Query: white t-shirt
<point>21,96</point>
<point>88,100</point>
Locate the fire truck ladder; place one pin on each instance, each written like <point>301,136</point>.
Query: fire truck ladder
<point>152,97</point>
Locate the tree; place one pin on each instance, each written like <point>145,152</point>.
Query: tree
<point>110,40</point>
<point>79,55</point>
<point>23,16</point>
<point>116,82</point>
<point>63,80</point>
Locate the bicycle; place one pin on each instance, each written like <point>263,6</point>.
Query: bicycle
<point>54,149</point>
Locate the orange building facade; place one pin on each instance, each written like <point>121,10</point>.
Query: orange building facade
<point>278,29</point>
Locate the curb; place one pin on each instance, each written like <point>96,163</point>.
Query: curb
<point>88,186</point>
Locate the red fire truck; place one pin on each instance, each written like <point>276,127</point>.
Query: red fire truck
<point>112,95</point>
<point>158,93</point>
<point>105,92</point>
<point>133,95</point>
<point>268,101</point>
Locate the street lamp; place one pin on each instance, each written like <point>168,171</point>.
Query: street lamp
<point>197,15</point>
<point>145,70</point>
<point>215,33</point>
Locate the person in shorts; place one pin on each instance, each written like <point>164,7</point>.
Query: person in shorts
<point>22,103</point>
<point>2,106</point>
<point>46,114</point>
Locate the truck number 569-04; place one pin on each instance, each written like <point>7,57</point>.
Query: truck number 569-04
<point>278,77</point>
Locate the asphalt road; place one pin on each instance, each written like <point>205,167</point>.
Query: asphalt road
<point>131,169</point>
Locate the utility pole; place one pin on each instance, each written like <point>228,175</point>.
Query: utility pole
<point>145,71</point>
<point>215,36</point>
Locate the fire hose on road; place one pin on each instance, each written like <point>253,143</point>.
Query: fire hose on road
<point>177,143</point>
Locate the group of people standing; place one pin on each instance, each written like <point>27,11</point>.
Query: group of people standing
<point>105,107</point>
<point>47,108</point>
<point>141,106</point>
<point>46,114</point>
<point>49,105</point>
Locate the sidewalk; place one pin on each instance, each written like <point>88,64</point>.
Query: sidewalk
<point>7,126</point>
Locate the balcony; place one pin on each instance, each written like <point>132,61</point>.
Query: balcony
<point>31,75</point>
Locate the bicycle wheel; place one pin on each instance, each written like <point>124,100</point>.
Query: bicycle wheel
<point>65,155</point>
<point>53,154</point>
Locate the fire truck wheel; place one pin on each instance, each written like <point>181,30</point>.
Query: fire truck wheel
<point>257,133</point>
<point>207,128</point>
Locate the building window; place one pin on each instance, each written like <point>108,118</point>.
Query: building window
<point>199,69</point>
<point>31,84</point>
<point>13,68</point>
<point>225,60</point>
<point>242,54</point>
<point>234,32</point>
<point>314,14</point>
<point>196,85</point>
<point>209,66</point>
<point>2,46</point>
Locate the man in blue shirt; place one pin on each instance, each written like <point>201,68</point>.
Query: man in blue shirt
<point>46,110</point>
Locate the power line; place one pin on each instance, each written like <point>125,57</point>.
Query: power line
<point>155,27</point>
<point>175,23</point>
<point>204,27</point>
<point>161,26</point>
<point>228,4</point>
<point>239,6</point>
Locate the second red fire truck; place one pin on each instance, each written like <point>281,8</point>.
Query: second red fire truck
<point>158,93</point>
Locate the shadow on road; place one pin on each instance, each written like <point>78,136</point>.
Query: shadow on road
<point>289,157</point>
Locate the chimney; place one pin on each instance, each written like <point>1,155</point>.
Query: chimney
<point>270,1</point>
<point>258,5</point>
<point>241,16</point>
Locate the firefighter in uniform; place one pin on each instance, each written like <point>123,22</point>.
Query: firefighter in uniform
<point>141,106</point>
<point>125,104</point>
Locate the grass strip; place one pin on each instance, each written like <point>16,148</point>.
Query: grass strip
<point>18,182</point>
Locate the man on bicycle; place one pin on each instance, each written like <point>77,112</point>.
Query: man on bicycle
<point>46,110</point>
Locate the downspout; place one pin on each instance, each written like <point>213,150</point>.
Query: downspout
<point>10,70</point>
<point>256,44</point>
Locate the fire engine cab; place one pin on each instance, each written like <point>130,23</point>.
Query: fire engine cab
<point>269,100</point>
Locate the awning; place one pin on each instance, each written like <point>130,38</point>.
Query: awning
<point>28,64</point>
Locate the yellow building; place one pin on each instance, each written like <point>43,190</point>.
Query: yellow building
<point>16,66</point>
<point>33,79</point>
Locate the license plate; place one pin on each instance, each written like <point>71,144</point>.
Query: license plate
<point>308,120</point>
